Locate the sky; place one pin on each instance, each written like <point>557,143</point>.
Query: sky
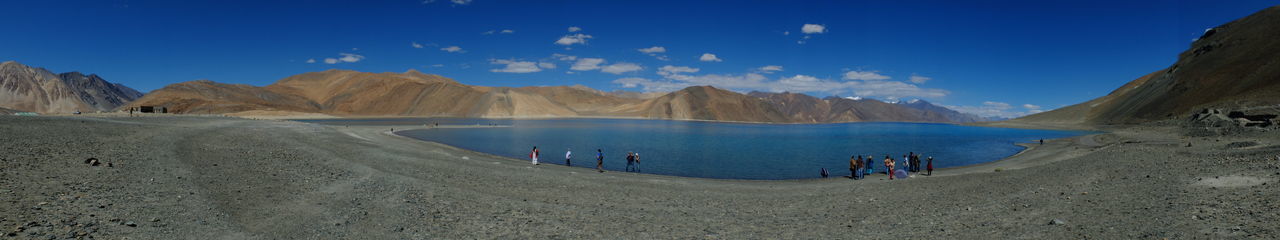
<point>992,58</point>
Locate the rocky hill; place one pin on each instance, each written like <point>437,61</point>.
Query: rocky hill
<point>1233,66</point>
<point>24,88</point>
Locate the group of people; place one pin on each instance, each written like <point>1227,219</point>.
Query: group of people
<point>861,167</point>
<point>633,159</point>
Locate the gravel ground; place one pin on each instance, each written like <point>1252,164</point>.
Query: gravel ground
<point>211,177</point>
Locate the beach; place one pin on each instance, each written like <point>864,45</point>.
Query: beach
<point>222,177</point>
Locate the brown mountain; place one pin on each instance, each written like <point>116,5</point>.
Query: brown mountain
<point>351,93</point>
<point>24,88</point>
<point>706,103</point>
<point>1233,66</point>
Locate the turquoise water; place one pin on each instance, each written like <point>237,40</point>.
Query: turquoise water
<point>726,150</point>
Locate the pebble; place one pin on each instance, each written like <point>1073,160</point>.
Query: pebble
<point>1056,221</point>
<point>130,224</point>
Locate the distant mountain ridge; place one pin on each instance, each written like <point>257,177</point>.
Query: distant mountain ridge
<point>412,93</point>
<point>24,88</point>
<point>1233,66</point>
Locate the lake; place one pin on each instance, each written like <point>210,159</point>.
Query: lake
<point>724,150</point>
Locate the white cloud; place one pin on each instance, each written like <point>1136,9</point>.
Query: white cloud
<point>708,57</point>
<point>587,64</point>
<point>313,60</point>
<point>893,90</point>
<point>786,33</point>
<point>770,69</point>
<point>461,2</point>
<point>653,49</point>
<point>813,28</point>
<point>416,45</point>
<point>622,67</point>
<point>675,78</point>
<point>350,57</point>
<point>864,75</point>
<point>574,29</point>
<point>546,65</point>
<point>452,49</point>
<point>997,109</point>
<point>917,79</point>
<point>997,105</point>
<point>343,57</point>
<point>573,39</point>
<point>669,70</point>
<point>563,57</point>
<point>515,66</point>
<point>503,31</point>
<point>437,65</point>
<point>633,82</point>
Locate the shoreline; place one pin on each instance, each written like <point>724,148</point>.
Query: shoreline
<point>1019,160</point>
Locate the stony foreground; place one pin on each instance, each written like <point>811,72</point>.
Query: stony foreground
<point>202,178</point>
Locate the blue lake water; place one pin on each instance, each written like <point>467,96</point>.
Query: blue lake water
<point>725,150</point>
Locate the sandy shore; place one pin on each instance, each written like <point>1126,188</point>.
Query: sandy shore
<point>213,177</point>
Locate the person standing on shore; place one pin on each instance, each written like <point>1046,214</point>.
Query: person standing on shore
<point>568,157</point>
<point>637,161</point>
<point>853,167</point>
<point>906,162</point>
<point>533,155</point>
<point>631,161</point>
<point>930,168</point>
<point>910,164</point>
<point>860,165</point>
<point>599,160</point>
<point>871,165</point>
<point>915,162</point>
<point>888,166</point>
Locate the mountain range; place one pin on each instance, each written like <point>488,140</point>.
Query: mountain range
<point>412,93</point>
<point>24,88</point>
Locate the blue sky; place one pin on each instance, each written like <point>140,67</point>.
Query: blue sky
<point>990,57</point>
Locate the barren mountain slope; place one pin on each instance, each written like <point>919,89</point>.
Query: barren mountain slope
<point>1232,66</point>
<point>707,103</point>
<point>204,97</point>
<point>581,99</point>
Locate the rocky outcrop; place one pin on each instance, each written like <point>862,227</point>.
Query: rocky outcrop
<point>1210,122</point>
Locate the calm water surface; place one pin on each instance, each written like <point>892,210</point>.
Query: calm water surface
<point>724,150</point>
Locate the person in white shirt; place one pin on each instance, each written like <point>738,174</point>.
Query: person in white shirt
<point>906,162</point>
<point>568,157</point>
